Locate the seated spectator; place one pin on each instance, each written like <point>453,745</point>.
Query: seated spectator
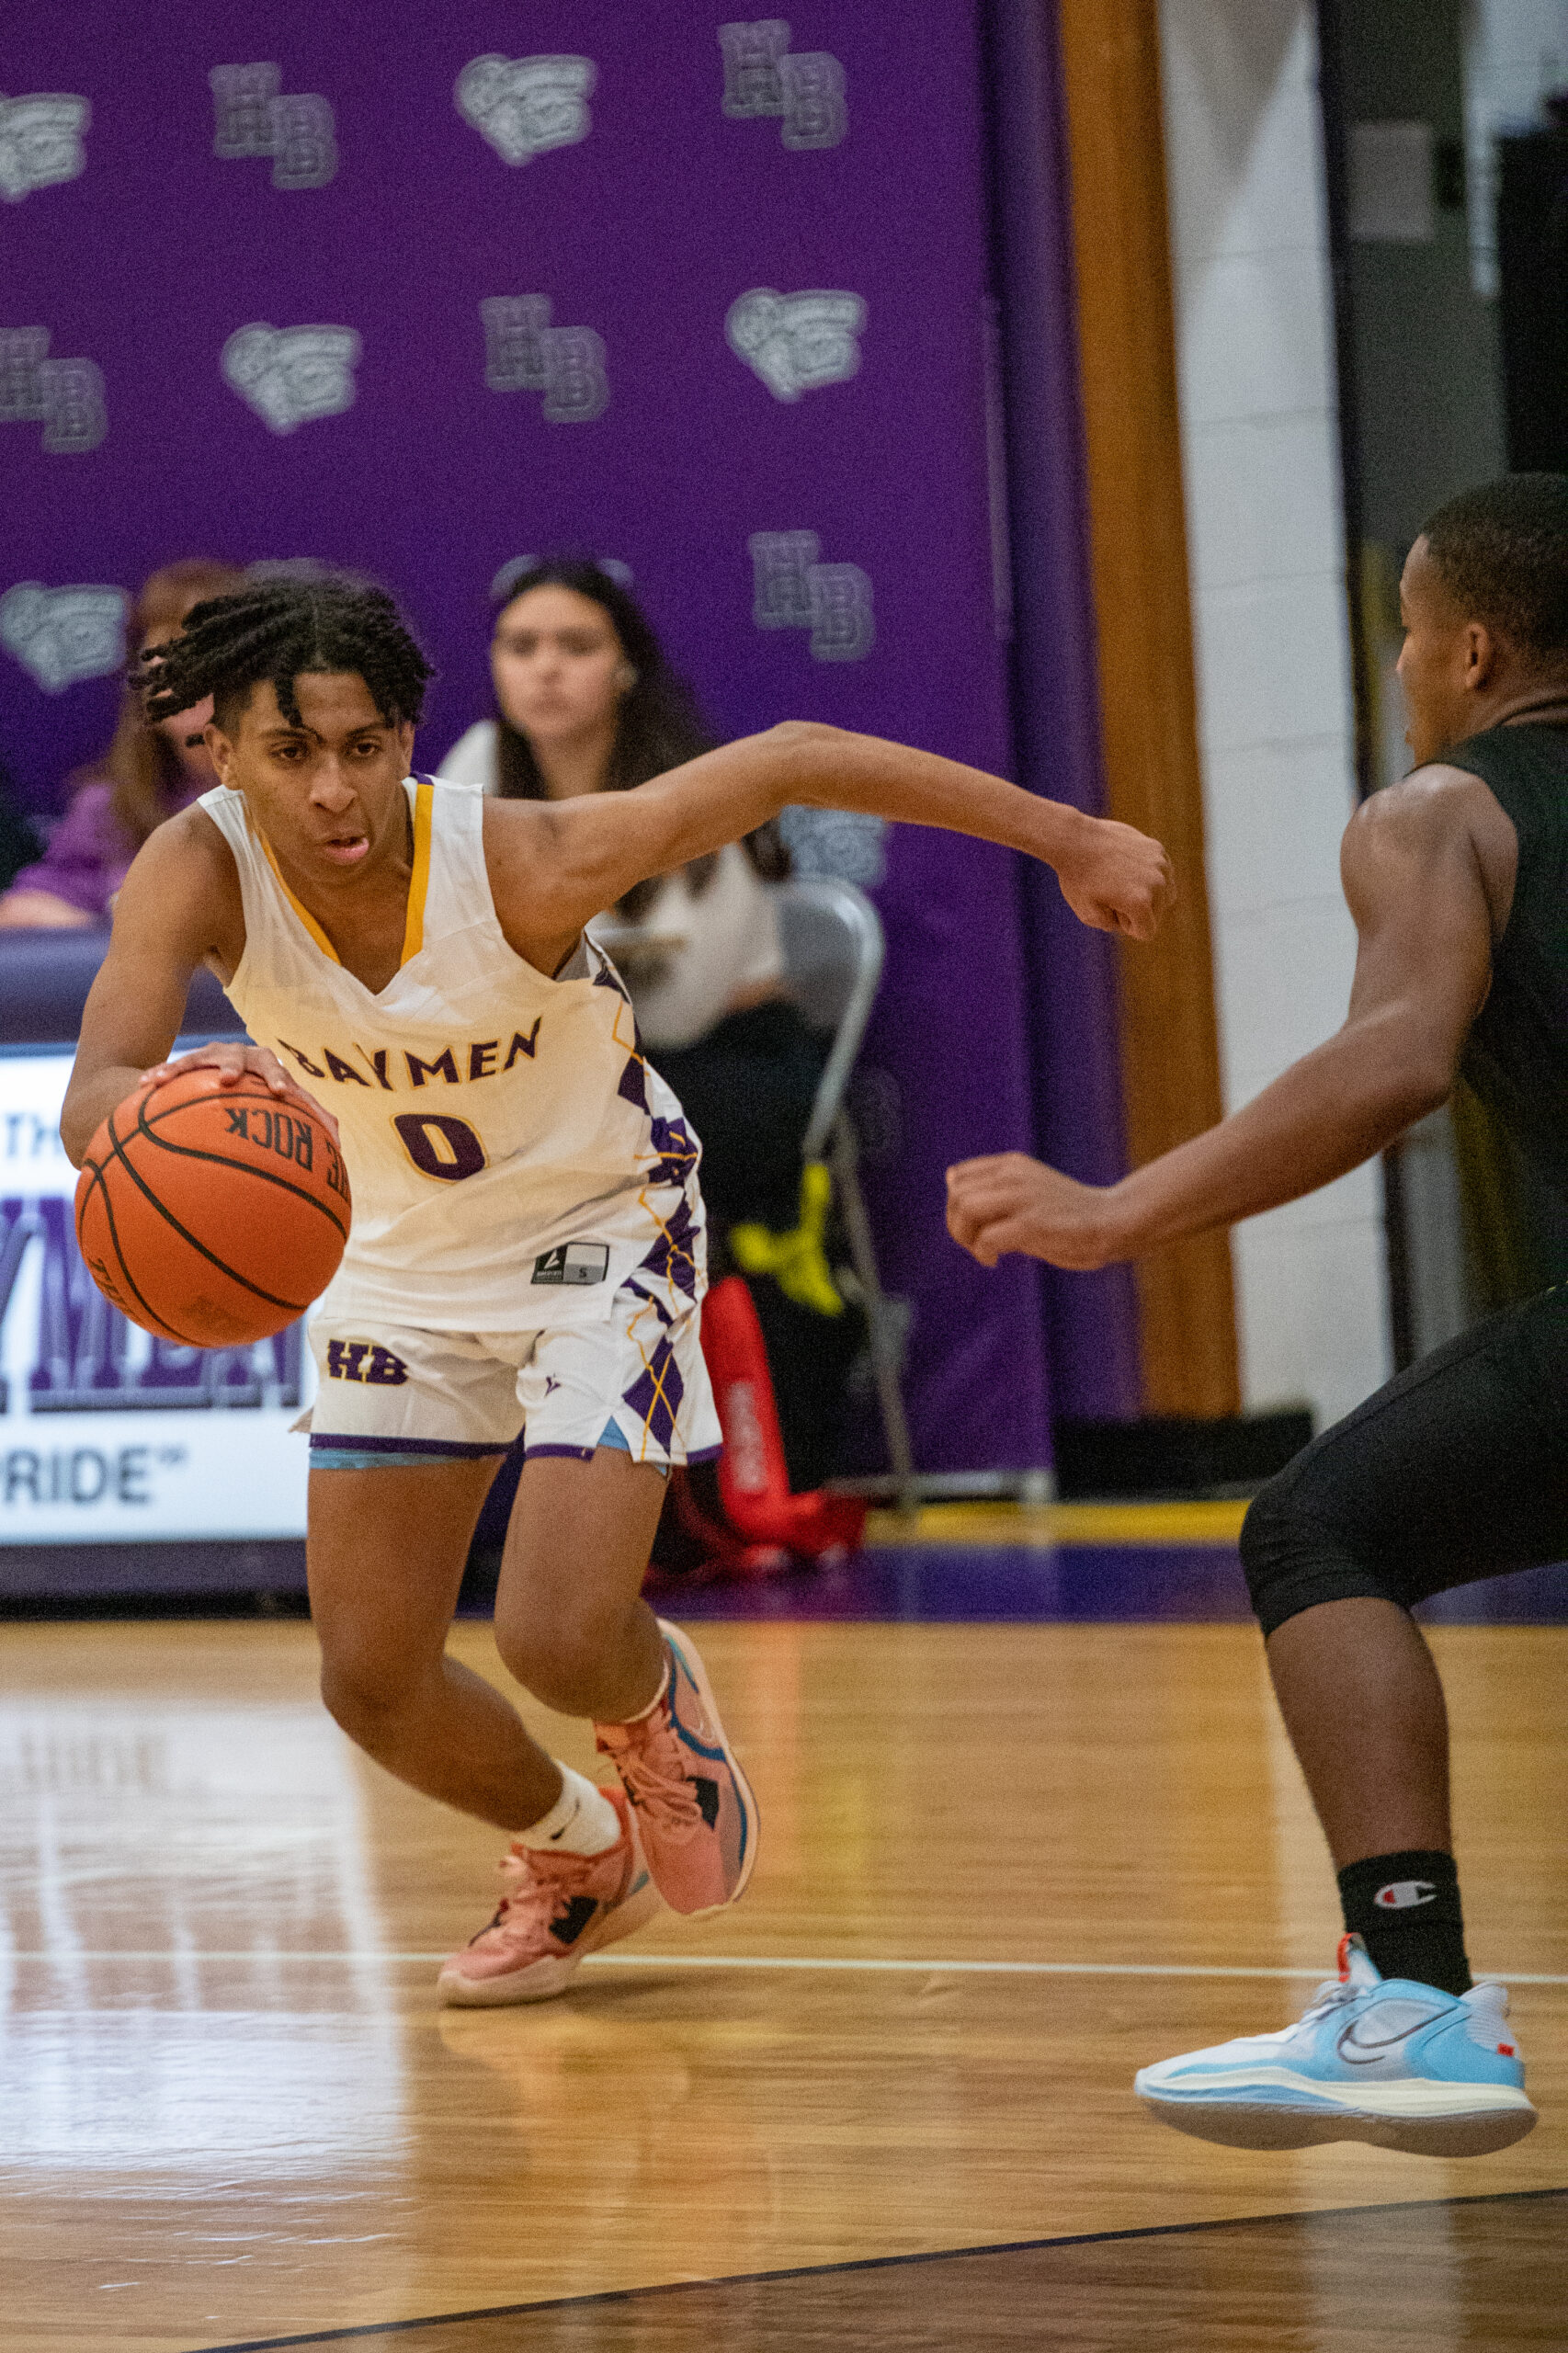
<point>147,773</point>
<point>587,702</point>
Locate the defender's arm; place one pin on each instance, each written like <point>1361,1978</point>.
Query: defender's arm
<point>178,907</point>
<point>1419,865</point>
<point>580,856</point>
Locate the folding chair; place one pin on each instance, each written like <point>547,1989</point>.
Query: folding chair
<point>833,944</point>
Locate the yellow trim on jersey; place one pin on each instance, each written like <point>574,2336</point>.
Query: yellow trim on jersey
<point>419,884</point>
<point>419,880</point>
<point>317,934</point>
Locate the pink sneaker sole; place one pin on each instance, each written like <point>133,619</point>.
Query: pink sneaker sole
<point>541,1981</point>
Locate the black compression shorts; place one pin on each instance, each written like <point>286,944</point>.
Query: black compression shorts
<point>1457,1470</point>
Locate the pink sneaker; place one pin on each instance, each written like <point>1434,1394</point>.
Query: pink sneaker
<point>695,1807</point>
<point>555,1910</point>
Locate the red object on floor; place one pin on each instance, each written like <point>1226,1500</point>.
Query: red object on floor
<point>754,1479</point>
<point>721,1556</point>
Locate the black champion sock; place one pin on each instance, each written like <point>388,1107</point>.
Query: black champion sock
<point>1406,1909</point>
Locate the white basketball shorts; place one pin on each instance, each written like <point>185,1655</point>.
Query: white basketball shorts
<point>391,1395</point>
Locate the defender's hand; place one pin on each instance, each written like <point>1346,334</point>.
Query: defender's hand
<point>235,1062</point>
<point>1120,881</point>
<point>1009,1201</point>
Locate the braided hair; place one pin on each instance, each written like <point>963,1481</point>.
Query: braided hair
<point>280,627</point>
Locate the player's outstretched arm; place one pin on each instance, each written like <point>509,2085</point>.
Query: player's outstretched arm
<point>1415,869</point>
<point>179,906</point>
<point>580,856</point>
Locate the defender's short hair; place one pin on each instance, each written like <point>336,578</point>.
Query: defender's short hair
<point>1501,550</point>
<point>281,629</point>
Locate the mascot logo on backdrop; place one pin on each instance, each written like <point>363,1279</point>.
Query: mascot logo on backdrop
<point>804,91</point>
<point>65,396</point>
<point>526,105</point>
<point>40,144</point>
<point>63,635</point>
<point>290,375</point>
<point>251,116</point>
<point>523,353</point>
<point>845,842</point>
<point>796,342</point>
<point>792,589</point>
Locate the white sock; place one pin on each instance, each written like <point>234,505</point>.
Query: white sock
<point>581,1821</point>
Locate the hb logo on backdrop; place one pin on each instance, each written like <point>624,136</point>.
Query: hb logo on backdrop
<point>523,353</point>
<point>524,106</point>
<point>791,588</point>
<point>796,344</point>
<point>288,375</point>
<point>252,118</point>
<point>804,90</point>
<point>65,396</point>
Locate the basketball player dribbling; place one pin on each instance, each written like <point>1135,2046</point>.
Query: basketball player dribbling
<point>527,1243</point>
<point>1457,881</point>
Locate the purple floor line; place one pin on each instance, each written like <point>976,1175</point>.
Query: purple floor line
<point>1080,1585</point>
<point>936,1585</point>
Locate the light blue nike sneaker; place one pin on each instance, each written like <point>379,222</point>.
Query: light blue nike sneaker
<point>1371,2058</point>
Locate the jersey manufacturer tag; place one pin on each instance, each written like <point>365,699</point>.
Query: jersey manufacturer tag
<point>574,1263</point>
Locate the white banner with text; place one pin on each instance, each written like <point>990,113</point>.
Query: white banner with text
<point>106,1433</point>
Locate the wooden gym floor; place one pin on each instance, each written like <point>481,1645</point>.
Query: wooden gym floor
<point>1002,1866</point>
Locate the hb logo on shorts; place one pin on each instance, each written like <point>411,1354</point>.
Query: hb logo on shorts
<point>363,1361</point>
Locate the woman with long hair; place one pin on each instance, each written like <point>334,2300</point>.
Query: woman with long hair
<point>149,772</point>
<point>586,701</point>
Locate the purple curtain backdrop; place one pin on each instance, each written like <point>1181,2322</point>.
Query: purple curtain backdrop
<point>651,214</point>
<point>1091,1321</point>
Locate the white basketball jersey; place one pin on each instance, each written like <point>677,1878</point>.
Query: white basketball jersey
<point>512,1156</point>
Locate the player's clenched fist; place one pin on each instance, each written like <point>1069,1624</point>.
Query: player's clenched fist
<point>1118,880</point>
<point>1009,1201</point>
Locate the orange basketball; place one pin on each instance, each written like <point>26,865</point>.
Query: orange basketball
<point>212,1214</point>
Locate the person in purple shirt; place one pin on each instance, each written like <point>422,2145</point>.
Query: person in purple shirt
<point>147,773</point>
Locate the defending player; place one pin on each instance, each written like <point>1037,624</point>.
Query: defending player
<point>1457,880</point>
<point>527,1235</point>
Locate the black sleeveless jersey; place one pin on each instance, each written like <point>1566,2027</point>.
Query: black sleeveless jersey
<point>1516,1055</point>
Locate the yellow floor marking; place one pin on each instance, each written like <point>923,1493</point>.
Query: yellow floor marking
<point>870,1964</point>
<point>1049,1524</point>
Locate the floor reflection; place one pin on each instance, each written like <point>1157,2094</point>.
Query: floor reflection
<point>616,2116</point>
<point>164,1864</point>
<point>232,2113</point>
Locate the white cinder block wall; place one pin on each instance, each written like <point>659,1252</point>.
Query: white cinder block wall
<point>1266,540</point>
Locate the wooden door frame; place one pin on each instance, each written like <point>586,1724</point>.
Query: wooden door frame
<point>1170,1047</point>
